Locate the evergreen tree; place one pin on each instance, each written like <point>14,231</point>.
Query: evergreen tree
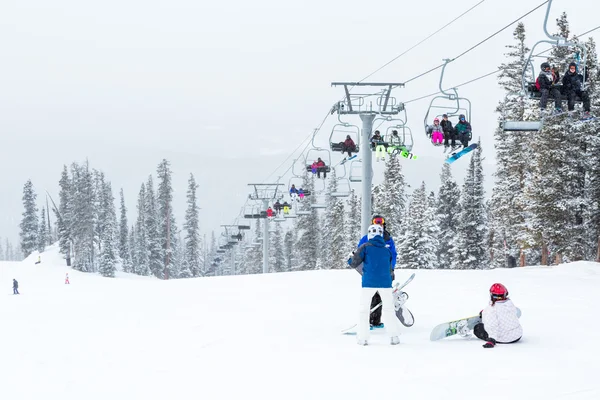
<point>556,195</point>
<point>10,255</point>
<point>514,153</point>
<point>29,224</point>
<point>141,261</point>
<point>83,217</point>
<point>335,241</point>
<point>123,233</point>
<point>2,254</point>
<point>109,241</point>
<point>393,207</point>
<point>153,239</point>
<point>417,247</point>
<point>354,222</point>
<point>591,131</point>
<point>64,215</point>
<point>166,217</point>
<point>447,212</point>
<point>470,245</point>
<point>288,249</point>
<point>128,263</point>
<point>43,237</point>
<point>277,259</point>
<point>192,229</point>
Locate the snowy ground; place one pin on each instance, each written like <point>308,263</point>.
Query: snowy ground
<point>278,337</point>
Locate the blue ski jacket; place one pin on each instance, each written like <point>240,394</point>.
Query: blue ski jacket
<point>389,243</point>
<point>376,260</point>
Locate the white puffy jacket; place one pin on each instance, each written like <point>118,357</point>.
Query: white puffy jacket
<point>501,323</point>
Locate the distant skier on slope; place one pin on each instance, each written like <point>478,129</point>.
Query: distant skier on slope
<point>500,323</point>
<point>67,279</point>
<point>389,243</point>
<point>376,259</point>
<point>15,287</point>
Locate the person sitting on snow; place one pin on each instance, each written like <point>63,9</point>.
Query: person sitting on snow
<point>376,260</point>
<point>499,321</point>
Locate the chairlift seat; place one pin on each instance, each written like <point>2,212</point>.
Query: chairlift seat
<point>279,219</point>
<point>536,94</point>
<point>340,194</point>
<point>303,212</point>
<point>318,205</point>
<point>309,169</point>
<point>339,147</point>
<point>521,126</point>
<point>290,216</point>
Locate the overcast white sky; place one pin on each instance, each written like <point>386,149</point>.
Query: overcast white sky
<point>225,89</point>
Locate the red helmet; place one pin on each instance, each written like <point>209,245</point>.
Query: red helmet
<point>498,291</point>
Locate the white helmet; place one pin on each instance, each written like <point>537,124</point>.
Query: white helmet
<point>374,230</point>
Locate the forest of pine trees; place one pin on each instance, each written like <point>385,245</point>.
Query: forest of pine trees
<point>544,207</point>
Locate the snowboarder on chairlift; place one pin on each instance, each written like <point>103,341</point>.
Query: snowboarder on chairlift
<point>277,207</point>
<point>573,86</point>
<point>499,321</point>
<point>286,208</point>
<point>349,146</point>
<point>389,243</point>
<point>546,84</point>
<point>377,276</point>
<point>463,130</point>
<point>15,287</point>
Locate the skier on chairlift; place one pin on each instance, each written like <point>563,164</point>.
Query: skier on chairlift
<point>546,83</point>
<point>293,192</point>
<point>321,167</point>
<point>348,146</point>
<point>573,86</point>
<point>448,130</point>
<point>270,213</point>
<point>437,132</point>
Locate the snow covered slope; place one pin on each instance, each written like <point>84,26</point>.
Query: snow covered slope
<point>278,337</point>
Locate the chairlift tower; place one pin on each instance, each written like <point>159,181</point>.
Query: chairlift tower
<point>355,104</point>
<point>265,192</point>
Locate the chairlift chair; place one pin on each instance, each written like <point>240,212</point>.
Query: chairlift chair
<point>339,133</point>
<point>461,105</point>
<point>355,171</point>
<point>345,191</point>
<point>529,88</point>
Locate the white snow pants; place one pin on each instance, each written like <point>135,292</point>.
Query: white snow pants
<point>389,315</point>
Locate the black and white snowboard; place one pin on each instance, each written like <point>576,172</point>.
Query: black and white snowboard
<point>402,313</point>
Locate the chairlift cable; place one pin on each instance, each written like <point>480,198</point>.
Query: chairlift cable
<point>421,42</point>
<point>478,44</point>
<point>493,72</point>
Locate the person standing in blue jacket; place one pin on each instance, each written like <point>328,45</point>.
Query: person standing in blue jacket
<point>375,318</point>
<point>376,259</point>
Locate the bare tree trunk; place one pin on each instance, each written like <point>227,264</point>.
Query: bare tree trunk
<point>558,259</point>
<point>522,258</point>
<point>544,253</point>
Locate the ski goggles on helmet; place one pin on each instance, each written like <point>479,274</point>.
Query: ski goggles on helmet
<point>378,221</point>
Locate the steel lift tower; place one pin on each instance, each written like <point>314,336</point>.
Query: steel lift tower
<point>356,104</point>
<point>265,192</point>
